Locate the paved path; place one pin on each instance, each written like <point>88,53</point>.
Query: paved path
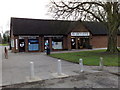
<point>16,69</point>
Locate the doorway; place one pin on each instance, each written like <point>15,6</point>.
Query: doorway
<point>46,43</point>
<point>21,45</point>
<point>84,42</point>
<point>73,43</point>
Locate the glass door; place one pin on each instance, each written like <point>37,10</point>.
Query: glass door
<point>21,45</point>
<point>73,44</point>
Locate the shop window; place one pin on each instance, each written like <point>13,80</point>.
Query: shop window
<point>33,45</point>
<point>57,43</point>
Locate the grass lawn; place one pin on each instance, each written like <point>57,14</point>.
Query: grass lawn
<point>89,57</point>
<point>3,44</point>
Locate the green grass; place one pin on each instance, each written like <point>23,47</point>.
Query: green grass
<point>3,44</point>
<point>89,57</point>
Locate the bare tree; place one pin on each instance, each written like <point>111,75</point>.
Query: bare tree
<point>106,12</point>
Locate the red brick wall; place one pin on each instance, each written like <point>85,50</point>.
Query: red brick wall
<point>65,42</point>
<point>99,41</point>
<point>69,42</point>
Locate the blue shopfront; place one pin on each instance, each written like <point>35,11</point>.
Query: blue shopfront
<point>29,43</point>
<point>33,45</point>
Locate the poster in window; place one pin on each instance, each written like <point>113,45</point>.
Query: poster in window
<point>57,45</point>
<point>12,42</point>
<point>33,45</point>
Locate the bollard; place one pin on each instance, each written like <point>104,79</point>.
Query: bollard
<point>101,63</point>
<point>32,74</point>
<point>81,65</point>
<point>59,67</point>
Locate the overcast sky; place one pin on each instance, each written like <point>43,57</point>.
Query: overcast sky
<point>22,8</point>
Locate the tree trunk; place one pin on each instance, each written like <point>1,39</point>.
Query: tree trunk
<point>112,42</point>
<point>112,24</point>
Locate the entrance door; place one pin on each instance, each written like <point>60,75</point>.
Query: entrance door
<point>46,43</point>
<point>84,42</point>
<point>73,44</point>
<point>21,45</point>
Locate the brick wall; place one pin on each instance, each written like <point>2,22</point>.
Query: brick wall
<point>99,41</point>
<point>69,42</point>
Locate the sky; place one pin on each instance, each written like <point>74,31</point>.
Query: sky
<point>37,9</point>
<point>22,8</point>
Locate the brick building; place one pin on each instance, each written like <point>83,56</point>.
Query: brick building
<point>34,35</point>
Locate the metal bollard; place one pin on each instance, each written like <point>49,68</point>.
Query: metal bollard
<point>81,65</point>
<point>101,63</point>
<point>32,74</point>
<point>59,67</point>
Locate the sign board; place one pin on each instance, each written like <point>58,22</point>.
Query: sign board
<point>29,37</point>
<point>80,34</point>
<point>53,36</point>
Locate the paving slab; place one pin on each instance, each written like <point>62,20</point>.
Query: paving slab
<point>16,69</point>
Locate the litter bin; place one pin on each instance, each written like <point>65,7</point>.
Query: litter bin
<point>48,51</point>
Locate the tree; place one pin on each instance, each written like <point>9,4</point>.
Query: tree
<point>0,39</point>
<point>6,37</point>
<point>106,12</point>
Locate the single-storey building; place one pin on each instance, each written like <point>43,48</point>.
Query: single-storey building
<point>34,35</point>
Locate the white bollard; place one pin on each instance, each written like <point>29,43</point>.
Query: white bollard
<point>81,65</point>
<point>32,74</point>
<point>59,67</point>
<point>101,63</point>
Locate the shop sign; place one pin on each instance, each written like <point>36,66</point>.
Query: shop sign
<point>32,37</point>
<point>29,37</point>
<point>80,34</point>
<point>53,36</point>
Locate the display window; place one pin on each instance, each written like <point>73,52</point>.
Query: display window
<point>33,45</point>
<point>57,43</point>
